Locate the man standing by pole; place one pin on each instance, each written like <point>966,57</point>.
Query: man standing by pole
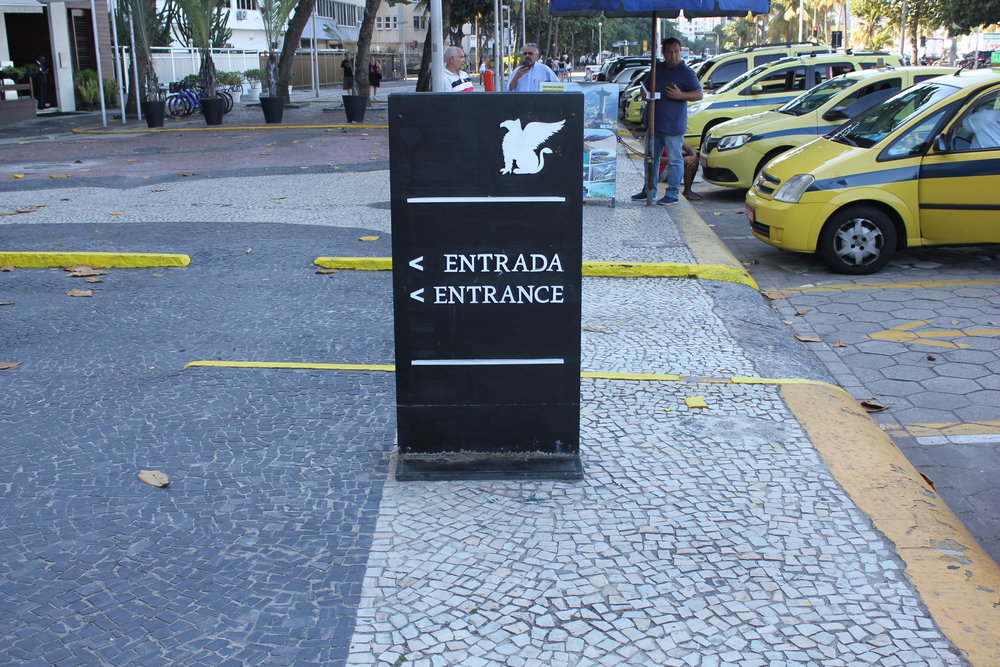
<point>675,85</point>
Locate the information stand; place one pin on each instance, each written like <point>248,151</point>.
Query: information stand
<point>487,258</point>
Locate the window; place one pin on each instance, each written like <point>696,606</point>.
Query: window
<point>420,23</point>
<point>726,72</point>
<point>246,4</point>
<point>766,58</point>
<point>780,80</point>
<point>980,127</point>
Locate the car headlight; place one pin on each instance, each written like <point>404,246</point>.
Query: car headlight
<point>791,190</point>
<point>731,141</point>
<point>698,107</point>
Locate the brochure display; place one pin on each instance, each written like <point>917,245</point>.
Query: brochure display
<point>600,141</point>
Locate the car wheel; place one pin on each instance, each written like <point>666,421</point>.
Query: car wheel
<point>857,240</point>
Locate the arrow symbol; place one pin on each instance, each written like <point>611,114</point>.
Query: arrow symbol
<point>417,295</point>
<point>904,333</point>
<point>416,263</point>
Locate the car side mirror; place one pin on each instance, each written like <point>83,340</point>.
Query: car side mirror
<point>757,89</point>
<point>941,143</point>
<point>601,76</point>
<point>835,114</point>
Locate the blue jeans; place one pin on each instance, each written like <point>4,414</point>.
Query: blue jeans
<point>675,164</point>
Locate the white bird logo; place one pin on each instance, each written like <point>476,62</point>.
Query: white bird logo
<point>519,145</point>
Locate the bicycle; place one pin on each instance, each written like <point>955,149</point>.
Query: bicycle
<point>185,100</point>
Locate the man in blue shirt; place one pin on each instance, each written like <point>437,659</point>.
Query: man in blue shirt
<point>676,85</point>
<point>531,73</point>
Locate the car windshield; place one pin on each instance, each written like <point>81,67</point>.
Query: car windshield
<point>741,79</point>
<point>869,128</point>
<point>815,98</point>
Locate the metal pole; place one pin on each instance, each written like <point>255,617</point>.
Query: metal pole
<point>135,73</point>
<point>314,59</point>
<point>524,30</point>
<point>437,47</point>
<point>652,162</point>
<point>497,52</point>
<point>600,43</point>
<point>119,60</point>
<point>100,72</point>
<point>902,33</point>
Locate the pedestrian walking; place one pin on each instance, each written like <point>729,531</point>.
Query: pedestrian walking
<point>374,76</point>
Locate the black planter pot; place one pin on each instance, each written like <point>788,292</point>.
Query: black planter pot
<point>354,107</point>
<point>274,108</point>
<point>154,112</point>
<point>213,108</point>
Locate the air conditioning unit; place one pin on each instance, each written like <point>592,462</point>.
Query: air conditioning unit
<point>241,15</point>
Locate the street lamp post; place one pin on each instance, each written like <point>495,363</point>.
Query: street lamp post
<point>600,43</point>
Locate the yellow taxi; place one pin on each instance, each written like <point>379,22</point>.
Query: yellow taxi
<point>633,104</point>
<point>735,151</point>
<point>772,85</point>
<point>719,70</point>
<point>919,169</point>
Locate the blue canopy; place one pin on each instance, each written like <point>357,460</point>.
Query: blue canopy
<point>663,8</point>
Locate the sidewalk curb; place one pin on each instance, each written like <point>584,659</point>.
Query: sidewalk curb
<point>955,577</point>
<point>106,260</point>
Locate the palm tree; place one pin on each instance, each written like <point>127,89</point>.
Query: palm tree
<point>200,17</point>
<point>274,15</point>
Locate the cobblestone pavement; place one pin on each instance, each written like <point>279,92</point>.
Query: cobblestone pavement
<point>699,535</point>
<point>921,337</point>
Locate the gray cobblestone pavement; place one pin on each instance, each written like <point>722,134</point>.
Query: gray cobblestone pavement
<point>700,536</point>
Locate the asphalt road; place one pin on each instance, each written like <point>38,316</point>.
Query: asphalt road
<point>921,338</point>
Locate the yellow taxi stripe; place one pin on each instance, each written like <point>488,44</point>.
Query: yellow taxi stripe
<point>107,260</point>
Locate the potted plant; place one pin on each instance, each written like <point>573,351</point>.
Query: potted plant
<point>87,88</point>
<point>273,16</point>
<point>253,77</point>
<point>142,18</point>
<point>200,17</point>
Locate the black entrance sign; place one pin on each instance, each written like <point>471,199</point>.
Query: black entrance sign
<point>486,251</point>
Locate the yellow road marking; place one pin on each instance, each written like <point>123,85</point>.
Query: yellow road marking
<point>226,128</point>
<point>944,429</point>
<point>904,334</point>
<point>292,364</point>
<point>911,284</point>
<point>108,260</point>
<point>591,375</point>
<point>591,268</point>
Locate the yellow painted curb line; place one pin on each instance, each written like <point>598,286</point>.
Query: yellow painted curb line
<point>592,269</point>
<point>957,580</point>
<point>291,364</point>
<point>225,128</point>
<point>108,260</point>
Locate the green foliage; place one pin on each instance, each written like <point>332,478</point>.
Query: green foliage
<point>202,22</point>
<point>274,15</point>
<point>87,87</point>
<point>111,92</point>
<point>254,75</point>
<point>966,15</point>
<point>230,78</point>
<point>14,73</point>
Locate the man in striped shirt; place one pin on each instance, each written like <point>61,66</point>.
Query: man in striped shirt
<point>456,80</point>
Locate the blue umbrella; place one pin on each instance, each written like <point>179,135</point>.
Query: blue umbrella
<point>664,9</point>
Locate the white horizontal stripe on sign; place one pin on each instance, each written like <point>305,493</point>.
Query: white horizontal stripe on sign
<point>486,362</point>
<point>484,200</point>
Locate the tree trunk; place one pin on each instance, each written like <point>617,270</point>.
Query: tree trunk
<point>293,35</point>
<point>364,42</point>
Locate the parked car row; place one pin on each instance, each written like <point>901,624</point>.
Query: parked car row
<point>918,169</point>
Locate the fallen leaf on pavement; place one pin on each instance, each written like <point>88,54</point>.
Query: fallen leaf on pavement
<point>77,267</point>
<point>594,330</point>
<point>80,292</point>
<point>131,159</point>
<point>160,190</point>
<point>808,339</point>
<point>277,198</point>
<point>159,275</point>
<point>93,280</point>
<point>86,273</point>
<point>930,482</point>
<point>839,344</point>
<point>800,313</point>
<point>193,173</point>
<point>115,213</point>
<point>773,296</point>
<point>873,406</point>
<point>154,478</point>
<point>17,175</point>
<point>58,175</point>
<point>326,271</point>
<point>4,365</point>
<point>931,357</point>
<point>6,268</point>
<point>26,210</point>
<point>368,238</point>
<point>695,402</point>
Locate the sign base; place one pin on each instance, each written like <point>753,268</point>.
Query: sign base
<point>457,467</point>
